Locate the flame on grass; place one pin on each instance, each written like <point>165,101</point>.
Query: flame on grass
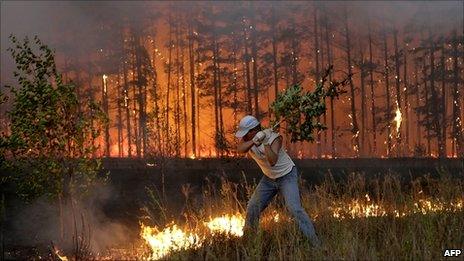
<point>60,257</point>
<point>167,240</point>
<point>173,238</point>
<point>363,209</point>
<point>231,225</point>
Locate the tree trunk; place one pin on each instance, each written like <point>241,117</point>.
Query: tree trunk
<point>219,91</point>
<point>418,104</point>
<point>155,97</point>
<point>135,98</point>
<point>371,83</point>
<point>177,111</point>
<point>398,88</point>
<point>363,100</point>
<point>387,86</point>
<point>118,104</point>
<point>254,62</point>
<point>126,106</point>
<point>192,87</point>
<point>443,100</point>
<point>434,96</point>
<point>247,71</point>
<point>274,52</point>
<point>321,36</point>
<point>354,122</point>
<point>141,98</point>
<point>317,76</point>
<point>427,107</point>
<point>168,88</point>
<point>457,121</point>
<point>184,100</point>
<point>330,62</point>
<point>216,102</point>
<point>406,117</point>
<point>198,105</point>
<point>294,57</point>
<point>235,84</point>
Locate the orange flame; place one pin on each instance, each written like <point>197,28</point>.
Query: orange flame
<point>172,238</point>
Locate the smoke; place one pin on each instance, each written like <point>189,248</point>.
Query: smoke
<point>72,27</point>
<point>39,224</point>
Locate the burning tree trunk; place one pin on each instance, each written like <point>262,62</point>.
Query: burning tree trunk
<point>317,76</point>
<point>184,92</point>
<point>155,97</point>
<point>91,97</point>
<point>235,84</point>
<point>354,122</point>
<point>246,58</point>
<point>220,134</point>
<point>398,89</point>
<point>321,35</point>
<point>363,75</point>
<point>294,54</point>
<point>140,63</point>
<point>168,88</point>
<point>406,117</point>
<point>254,62</point>
<point>135,95</point>
<point>105,109</point>
<point>119,115</point>
<point>127,110</point>
<point>177,101</point>
<point>197,120</point>
<point>371,85</point>
<point>184,101</point>
<point>192,85</point>
<point>426,106</point>
<point>418,104</point>
<point>387,87</point>
<point>458,136</point>
<point>329,61</point>
<point>215,90</point>
<point>274,51</point>
<point>435,100</point>
<point>443,99</point>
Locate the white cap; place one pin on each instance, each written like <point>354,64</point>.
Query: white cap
<point>246,124</point>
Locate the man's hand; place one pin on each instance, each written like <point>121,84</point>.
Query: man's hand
<point>258,138</point>
<point>267,133</point>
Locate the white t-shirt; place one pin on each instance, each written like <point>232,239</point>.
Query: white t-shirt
<point>283,165</point>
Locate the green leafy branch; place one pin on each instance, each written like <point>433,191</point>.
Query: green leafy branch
<point>301,109</point>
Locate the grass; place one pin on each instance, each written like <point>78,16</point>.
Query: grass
<point>379,218</point>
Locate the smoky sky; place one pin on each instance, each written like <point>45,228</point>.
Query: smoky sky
<point>69,26</point>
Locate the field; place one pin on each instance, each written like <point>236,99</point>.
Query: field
<point>376,219</point>
<point>359,216</point>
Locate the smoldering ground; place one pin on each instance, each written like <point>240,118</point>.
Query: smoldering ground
<point>88,221</point>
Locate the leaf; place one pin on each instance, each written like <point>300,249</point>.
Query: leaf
<point>293,105</point>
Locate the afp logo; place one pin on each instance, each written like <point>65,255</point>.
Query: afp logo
<point>452,252</point>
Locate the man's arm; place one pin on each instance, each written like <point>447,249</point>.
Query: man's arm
<point>244,146</point>
<point>272,150</point>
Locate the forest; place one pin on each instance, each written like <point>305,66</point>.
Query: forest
<point>176,78</point>
<point>118,123</point>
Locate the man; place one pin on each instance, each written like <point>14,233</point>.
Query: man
<point>280,175</point>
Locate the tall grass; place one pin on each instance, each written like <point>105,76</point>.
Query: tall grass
<point>401,224</point>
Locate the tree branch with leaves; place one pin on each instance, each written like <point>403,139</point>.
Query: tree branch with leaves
<point>300,109</point>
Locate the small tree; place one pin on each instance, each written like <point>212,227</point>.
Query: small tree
<point>51,142</point>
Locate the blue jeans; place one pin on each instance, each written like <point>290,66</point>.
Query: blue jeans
<point>288,185</point>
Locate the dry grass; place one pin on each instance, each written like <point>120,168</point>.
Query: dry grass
<point>405,220</point>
